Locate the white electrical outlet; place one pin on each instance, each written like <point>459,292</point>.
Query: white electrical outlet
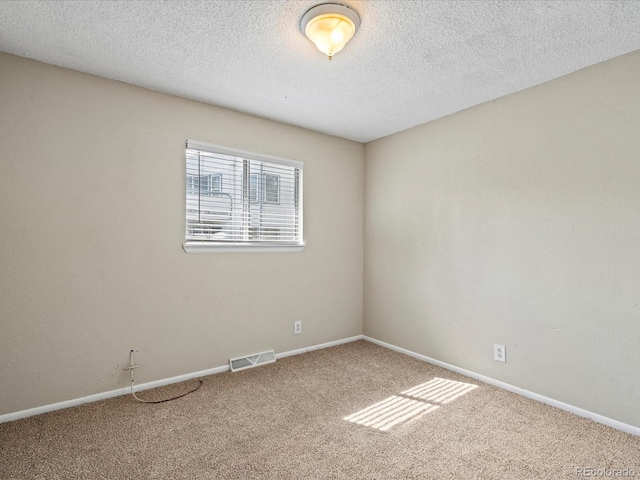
<point>499,353</point>
<point>297,327</point>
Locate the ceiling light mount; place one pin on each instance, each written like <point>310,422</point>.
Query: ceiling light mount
<point>330,26</point>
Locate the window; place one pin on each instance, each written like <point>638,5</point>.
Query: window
<point>240,201</point>
<point>204,184</point>
<point>264,188</point>
<point>271,188</point>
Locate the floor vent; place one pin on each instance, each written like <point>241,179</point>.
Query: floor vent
<point>249,361</point>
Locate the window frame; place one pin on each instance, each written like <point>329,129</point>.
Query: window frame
<point>255,246</point>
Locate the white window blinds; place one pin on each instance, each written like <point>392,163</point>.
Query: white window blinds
<point>239,199</point>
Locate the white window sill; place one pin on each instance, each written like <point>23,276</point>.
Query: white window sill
<point>209,247</point>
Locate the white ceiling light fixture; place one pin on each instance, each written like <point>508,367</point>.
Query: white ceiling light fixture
<point>330,26</point>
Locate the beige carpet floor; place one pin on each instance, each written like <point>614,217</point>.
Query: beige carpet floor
<point>356,411</point>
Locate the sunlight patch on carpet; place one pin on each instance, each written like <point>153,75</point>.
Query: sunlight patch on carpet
<point>440,390</point>
<point>410,404</point>
<point>390,412</point>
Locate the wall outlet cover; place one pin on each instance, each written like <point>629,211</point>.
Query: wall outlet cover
<point>499,353</point>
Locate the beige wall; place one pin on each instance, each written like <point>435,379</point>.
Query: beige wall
<point>92,219</point>
<point>517,222</point>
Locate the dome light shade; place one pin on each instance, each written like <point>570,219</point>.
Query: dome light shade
<point>330,26</point>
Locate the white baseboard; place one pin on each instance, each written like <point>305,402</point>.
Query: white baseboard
<point>511,388</point>
<point>110,394</point>
<point>319,346</point>
<point>9,417</point>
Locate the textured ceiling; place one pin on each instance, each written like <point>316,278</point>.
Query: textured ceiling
<point>410,62</point>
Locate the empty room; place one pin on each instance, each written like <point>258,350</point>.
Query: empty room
<point>291,239</point>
